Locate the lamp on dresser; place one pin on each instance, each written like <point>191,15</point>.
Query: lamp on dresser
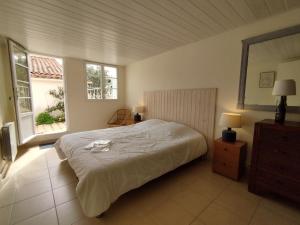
<point>283,88</point>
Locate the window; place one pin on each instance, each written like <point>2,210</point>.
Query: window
<point>102,81</point>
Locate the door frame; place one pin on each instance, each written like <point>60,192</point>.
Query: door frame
<point>12,44</point>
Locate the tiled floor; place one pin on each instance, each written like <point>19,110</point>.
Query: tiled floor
<point>40,190</point>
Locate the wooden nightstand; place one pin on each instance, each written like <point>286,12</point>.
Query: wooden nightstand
<point>229,158</point>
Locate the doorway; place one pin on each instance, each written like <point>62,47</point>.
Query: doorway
<point>47,85</point>
<point>38,85</point>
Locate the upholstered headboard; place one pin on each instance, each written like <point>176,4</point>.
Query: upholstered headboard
<point>192,107</point>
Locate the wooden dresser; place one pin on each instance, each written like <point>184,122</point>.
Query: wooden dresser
<point>229,158</point>
<point>275,164</point>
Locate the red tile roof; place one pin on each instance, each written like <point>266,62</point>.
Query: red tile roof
<point>45,67</point>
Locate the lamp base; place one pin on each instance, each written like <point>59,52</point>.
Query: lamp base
<point>281,110</point>
<point>229,135</point>
<point>137,118</point>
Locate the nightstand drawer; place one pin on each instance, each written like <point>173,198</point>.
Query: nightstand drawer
<point>226,168</point>
<point>226,152</point>
<point>229,158</point>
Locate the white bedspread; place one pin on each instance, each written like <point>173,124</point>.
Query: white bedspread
<point>138,153</point>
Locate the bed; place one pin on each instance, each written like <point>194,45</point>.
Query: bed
<point>136,154</point>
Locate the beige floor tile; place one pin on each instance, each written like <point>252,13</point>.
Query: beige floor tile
<point>171,184</point>
<point>192,201</point>
<point>33,189</point>
<point>27,178</point>
<point>60,169</point>
<point>214,178</point>
<point>143,220</point>
<point>31,207</point>
<point>284,208</point>
<point>210,188</point>
<point>54,162</point>
<point>122,212</point>
<point>92,221</point>
<point>5,215</point>
<point>265,216</point>
<point>46,218</point>
<point>7,193</point>
<point>51,154</point>
<point>33,167</point>
<point>144,199</point>
<point>69,212</point>
<point>170,213</point>
<point>64,194</point>
<point>198,221</point>
<point>239,202</point>
<point>218,215</point>
<point>68,177</point>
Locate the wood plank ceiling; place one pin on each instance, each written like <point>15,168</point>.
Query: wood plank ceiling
<point>124,31</point>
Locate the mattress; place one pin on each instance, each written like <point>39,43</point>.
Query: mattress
<point>137,154</point>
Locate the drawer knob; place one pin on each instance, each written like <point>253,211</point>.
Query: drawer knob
<point>225,149</point>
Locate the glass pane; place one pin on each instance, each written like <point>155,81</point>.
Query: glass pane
<point>110,83</point>
<point>24,104</point>
<point>23,89</point>
<point>20,57</point>
<point>22,73</point>
<point>93,72</point>
<point>110,71</point>
<point>111,93</point>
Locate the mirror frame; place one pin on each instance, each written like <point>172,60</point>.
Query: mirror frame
<point>244,65</point>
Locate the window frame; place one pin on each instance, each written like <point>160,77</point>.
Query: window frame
<point>102,65</point>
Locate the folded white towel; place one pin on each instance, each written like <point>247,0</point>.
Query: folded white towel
<point>99,146</point>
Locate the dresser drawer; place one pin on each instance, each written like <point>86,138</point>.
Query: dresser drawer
<point>278,184</point>
<point>279,166</point>
<point>280,137</point>
<point>284,153</point>
<point>226,168</point>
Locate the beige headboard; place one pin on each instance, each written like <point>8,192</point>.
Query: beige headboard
<point>192,107</point>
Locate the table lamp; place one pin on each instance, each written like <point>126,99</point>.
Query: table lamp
<point>137,110</point>
<point>230,120</point>
<point>283,88</point>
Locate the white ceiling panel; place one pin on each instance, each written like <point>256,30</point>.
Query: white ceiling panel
<point>125,31</point>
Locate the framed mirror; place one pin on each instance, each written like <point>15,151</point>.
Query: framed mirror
<point>266,58</point>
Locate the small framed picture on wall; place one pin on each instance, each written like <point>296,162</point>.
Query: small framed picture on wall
<point>266,79</point>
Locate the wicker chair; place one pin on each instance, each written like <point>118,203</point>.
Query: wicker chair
<point>121,117</point>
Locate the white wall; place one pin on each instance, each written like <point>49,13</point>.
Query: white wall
<point>84,114</point>
<point>213,62</point>
<point>6,94</point>
<point>291,70</point>
<point>40,93</point>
